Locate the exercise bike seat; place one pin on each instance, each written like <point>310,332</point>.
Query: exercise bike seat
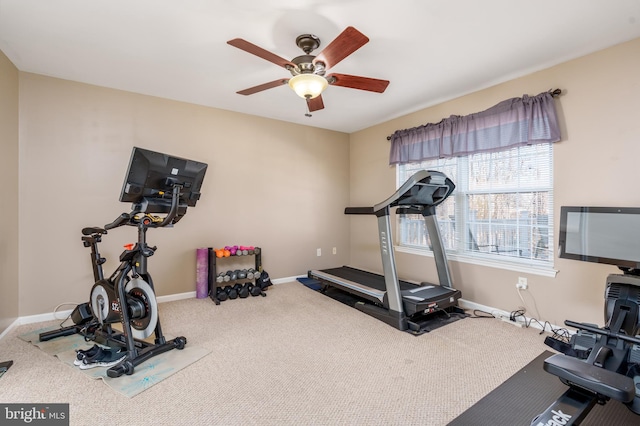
<point>591,378</point>
<point>93,230</point>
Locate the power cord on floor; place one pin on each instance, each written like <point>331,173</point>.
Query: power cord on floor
<point>518,313</point>
<point>477,313</point>
<point>559,333</point>
<point>68,317</point>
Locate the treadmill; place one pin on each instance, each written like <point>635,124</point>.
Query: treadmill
<point>401,304</point>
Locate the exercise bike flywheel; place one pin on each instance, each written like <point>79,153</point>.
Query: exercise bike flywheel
<point>141,306</point>
<point>143,323</point>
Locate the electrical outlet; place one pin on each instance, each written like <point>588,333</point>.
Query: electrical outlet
<point>335,250</point>
<point>522,283</point>
<point>319,252</point>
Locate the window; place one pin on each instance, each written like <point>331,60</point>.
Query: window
<point>500,212</point>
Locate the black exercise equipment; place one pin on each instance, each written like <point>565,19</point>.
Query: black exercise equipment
<point>398,303</point>
<point>4,366</point>
<point>599,363</point>
<point>156,184</point>
<point>221,294</point>
<point>232,292</point>
<point>255,290</point>
<point>243,290</point>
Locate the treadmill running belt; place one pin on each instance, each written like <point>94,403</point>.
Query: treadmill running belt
<point>369,279</point>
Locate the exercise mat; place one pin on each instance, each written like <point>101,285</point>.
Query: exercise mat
<point>145,375</point>
<point>202,273</point>
<point>527,394</point>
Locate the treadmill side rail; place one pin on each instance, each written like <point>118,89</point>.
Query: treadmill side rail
<point>348,285</point>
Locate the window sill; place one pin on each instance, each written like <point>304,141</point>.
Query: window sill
<point>545,271</point>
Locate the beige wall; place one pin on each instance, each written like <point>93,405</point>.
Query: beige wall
<point>279,186</point>
<point>596,163</point>
<point>283,186</point>
<point>9,284</point>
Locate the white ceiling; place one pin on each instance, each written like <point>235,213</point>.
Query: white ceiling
<point>430,50</point>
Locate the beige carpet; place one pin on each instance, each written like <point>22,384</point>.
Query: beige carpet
<point>294,357</point>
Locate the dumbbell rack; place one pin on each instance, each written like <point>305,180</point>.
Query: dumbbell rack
<point>213,270</point>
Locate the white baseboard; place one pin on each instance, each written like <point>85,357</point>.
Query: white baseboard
<point>61,315</point>
<point>13,325</point>
<point>499,313</point>
<point>469,305</point>
<point>174,297</point>
<point>51,316</point>
<point>283,280</point>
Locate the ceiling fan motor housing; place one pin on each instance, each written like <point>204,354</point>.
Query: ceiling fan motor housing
<point>304,65</point>
<point>307,42</point>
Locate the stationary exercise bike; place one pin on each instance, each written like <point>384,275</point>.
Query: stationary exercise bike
<point>157,183</point>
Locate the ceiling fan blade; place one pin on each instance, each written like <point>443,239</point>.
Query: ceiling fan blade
<point>315,104</point>
<point>342,46</point>
<point>265,86</point>
<point>259,51</point>
<point>357,82</point>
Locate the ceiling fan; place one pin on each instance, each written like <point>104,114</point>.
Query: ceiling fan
<point>308,71</point>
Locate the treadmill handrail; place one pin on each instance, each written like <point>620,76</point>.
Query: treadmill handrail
<point>359,210</point>
<point>420,178</point>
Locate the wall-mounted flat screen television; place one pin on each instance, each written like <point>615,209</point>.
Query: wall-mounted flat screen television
<point>608,235</point>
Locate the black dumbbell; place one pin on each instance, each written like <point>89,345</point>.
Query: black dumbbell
<point>254,290</point>
<point>231,292</point>
<point>221,295</point>
<point>242,275</point>
<point>242,290</point>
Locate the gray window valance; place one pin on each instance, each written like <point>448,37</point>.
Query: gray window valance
<point>518,121</point>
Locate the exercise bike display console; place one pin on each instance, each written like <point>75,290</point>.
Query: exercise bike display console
<point>156,184</point>
<point>399,303</point>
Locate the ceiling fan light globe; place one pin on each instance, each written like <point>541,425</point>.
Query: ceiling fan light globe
<point>308,86</point>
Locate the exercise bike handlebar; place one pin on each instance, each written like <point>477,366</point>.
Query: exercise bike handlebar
<point>125,218</point>
<point>174,206</point>
<point>120,220</point>
<point>602,332</point>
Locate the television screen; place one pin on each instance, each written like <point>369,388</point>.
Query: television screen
<point>601,234</point>
<point>152,175</point>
